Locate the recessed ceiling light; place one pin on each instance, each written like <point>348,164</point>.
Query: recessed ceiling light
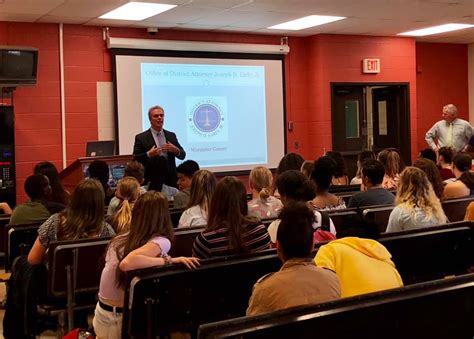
<point>136,11</point>
<point>306,22</point>
<point>436,29</point>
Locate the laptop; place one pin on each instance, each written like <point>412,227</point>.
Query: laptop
<point>100,148</point>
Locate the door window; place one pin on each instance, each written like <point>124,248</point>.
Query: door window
<point>351,109</point>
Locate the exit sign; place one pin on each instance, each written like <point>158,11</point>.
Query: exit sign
<point>371,66</point>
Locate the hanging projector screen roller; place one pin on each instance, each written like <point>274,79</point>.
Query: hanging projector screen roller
<point>228,114</point>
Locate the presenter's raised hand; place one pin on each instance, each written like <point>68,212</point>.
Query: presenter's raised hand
<point>169,147</point>
<point>154,151</point>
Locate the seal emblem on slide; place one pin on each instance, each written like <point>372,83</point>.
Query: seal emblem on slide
<point>207,117</point>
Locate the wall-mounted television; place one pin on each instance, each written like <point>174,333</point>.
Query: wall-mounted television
<point>18,66</point>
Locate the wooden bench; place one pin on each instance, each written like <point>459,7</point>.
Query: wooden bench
<point>168,299</point>
<point>344,189</point>
<point>73,277</point>
<point>455,209</point>
<point>19,240</point>
<point>184,240</point>
<point>438,309</point>
<point>175,215</point>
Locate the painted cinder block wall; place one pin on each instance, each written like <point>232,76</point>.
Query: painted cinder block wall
<point>338,58</point>
<point>311,65</point>
<point>442,78</point>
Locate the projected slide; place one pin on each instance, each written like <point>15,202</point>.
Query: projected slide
<point>218,112</point>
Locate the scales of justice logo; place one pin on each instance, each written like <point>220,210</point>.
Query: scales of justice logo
<point>207,118</point>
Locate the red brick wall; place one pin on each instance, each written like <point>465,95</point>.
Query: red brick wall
<point>312,64</point>
<point>442,78</point>
<point>37,109</point>
<point>337,58</point>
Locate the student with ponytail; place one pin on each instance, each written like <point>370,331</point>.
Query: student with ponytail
<point>128,190</point>
<point>263,205</point>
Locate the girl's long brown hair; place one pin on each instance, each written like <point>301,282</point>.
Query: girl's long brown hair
<point>84,217</point>
<point>203,186</point>
<point>150,218</point>
<point>228,210</point>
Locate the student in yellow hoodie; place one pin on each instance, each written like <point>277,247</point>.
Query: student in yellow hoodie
<point>362,264</point>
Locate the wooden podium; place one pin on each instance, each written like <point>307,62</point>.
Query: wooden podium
<point>75,172</point>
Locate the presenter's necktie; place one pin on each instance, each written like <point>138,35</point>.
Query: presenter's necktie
<point>161,141</point>
<point>449,138</point>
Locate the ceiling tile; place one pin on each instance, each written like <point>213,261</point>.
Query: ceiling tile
<point>183,14</point>
<point>63,19</point>
<point>28,6</point>
<point>18,17</point>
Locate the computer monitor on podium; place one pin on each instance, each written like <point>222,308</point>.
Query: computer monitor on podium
<point>100,148</point>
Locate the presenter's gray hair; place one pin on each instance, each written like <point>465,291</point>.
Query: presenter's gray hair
<point>151,109</point>
<point>450,108</point>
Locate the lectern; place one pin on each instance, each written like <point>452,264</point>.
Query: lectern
<point>75,172</point>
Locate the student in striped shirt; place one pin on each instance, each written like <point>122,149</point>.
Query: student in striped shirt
<point>230,230</point>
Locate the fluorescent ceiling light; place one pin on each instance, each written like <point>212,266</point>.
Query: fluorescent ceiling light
<point>437,29</point>
<point>306,22</point>
<point>136,11</point>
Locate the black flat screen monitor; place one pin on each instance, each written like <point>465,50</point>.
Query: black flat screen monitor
<point>100,148</point>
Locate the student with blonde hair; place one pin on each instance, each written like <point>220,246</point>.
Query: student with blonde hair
<point>263,205</point>
<point>202,188</point>
<point>390,159</point>
<point>417,205</point>
<point>128,191</point>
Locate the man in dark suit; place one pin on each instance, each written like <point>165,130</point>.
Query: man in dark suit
<point>155,144</point>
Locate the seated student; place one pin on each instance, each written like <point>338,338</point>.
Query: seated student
<point>469,216</point>
<point>203,186</point>
<point>145,244</point>
<point>364,155</point>
<point>38,208</point>
<point>263,205</point>
<point>128,191</point>
<point>135,170</point>
<point>390,159</point>
<point>324,170</point>
<point>340,172</point>
<point>307,168</point>
<point>99,170</point>
<point>83,218</point>
<point>294,186</point>
<point>432,172</point>
<point>290,161</point>
<point>185,172</point>
<point>445,163</point>
<point>463,186</point>
<point>417,204</point>
<point>361,263</point>
<point>372,174</point>
<point>158,174</point>
<point>229,229</point>
<point>299,281</point>
<point>429,154</point>
<point>5,208</point>
<point>59,194</point>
